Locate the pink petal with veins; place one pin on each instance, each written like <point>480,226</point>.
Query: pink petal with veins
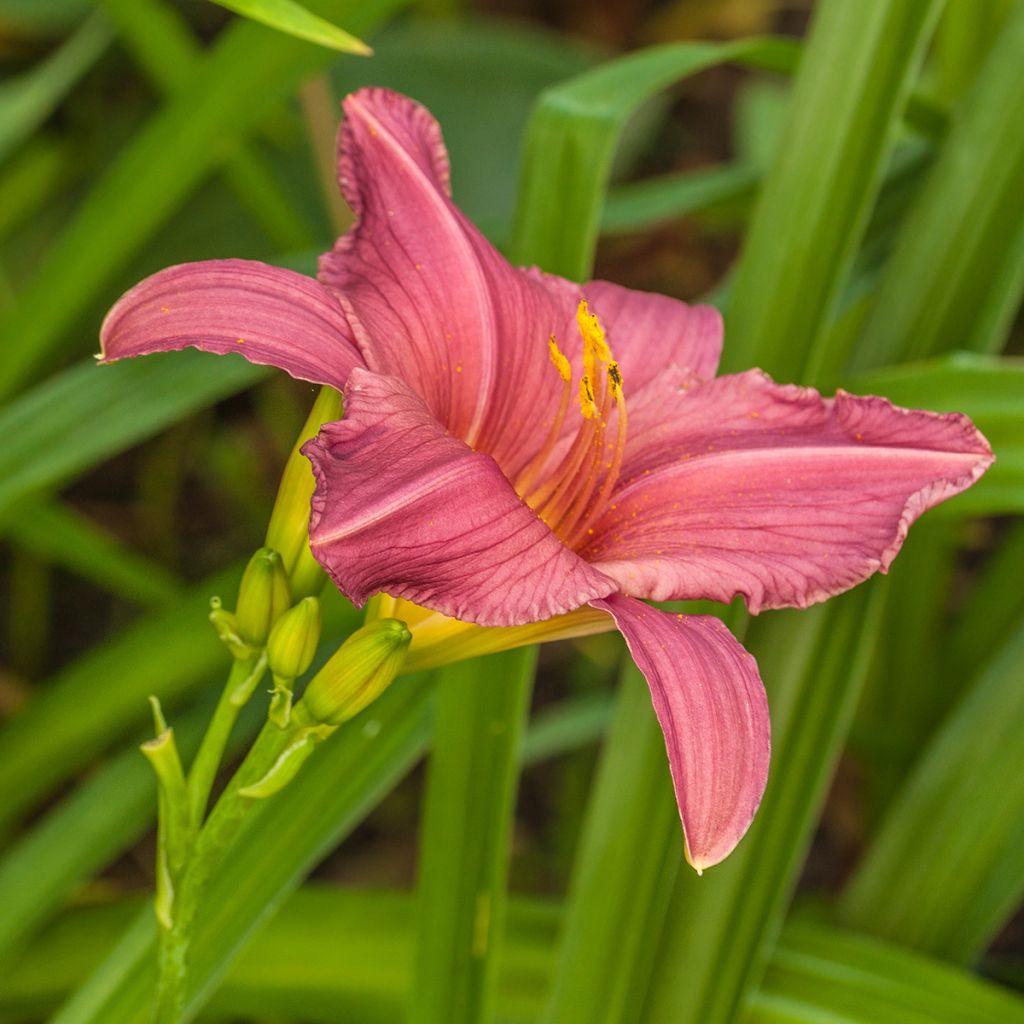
<point>403,507</point>
<point>266,314</point>
<point>711,706</point>
<point>776,493</point>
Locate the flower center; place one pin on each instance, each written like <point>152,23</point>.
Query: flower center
<point>571,496</point>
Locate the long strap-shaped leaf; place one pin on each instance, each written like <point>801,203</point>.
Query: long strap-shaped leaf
<point>123,404</point>
<point>101,696</point>
<point>282,842</point>
<point>851,89</point>
<point>86,831</point>
<point>481,711</point>
<point>161,41</point>
<point>989,390</point>
<point>573,133</point>
<point>250,68</point>
<point>719,929</point>
<point>100,819</point>
<point>943,872</point>
<point>28,100</point>
<point>340,956</point>
<point>957,275</point>
<point>629,854</point>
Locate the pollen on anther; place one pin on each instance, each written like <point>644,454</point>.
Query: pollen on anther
<point>558,358</point>
<point>239,341</point>
<point>587,404</point>
<point>615,376</point>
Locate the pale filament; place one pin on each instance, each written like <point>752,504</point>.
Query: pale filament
<point>574,494</point>
<point>529,475</point>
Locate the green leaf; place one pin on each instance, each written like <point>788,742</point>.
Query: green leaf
<point>84,832</point>
<point>465,832</point>
<point>56,534</point>
<point>573,133</point>
<point>566,726</point>
<point>282,841</point>
<point>991,392</point>
<point>653,201</point>
<point>964,39</point>
<point>956,276</point>
<point>248,70</point>
<point>994,606</point>
<point>103,694</point>
<point>943,872</point>
<point>292,18</point>
<point>722,926</point>
<point>123,404</point>
<point>161,41</point>
<point>850,92</point>
<point>894,722</point>
<point>822,975</point>
<point>629,854</point>
<point>27,101</point>
<point>337,955</point>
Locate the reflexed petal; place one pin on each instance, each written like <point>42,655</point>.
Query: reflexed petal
<point>711,706</point>
<point>264,313</point>
<point>777,494</point>
<point>432,301</point>
<point>649,333</point>
<point>403,507</point>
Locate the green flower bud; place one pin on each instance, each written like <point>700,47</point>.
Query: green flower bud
<point>358,673</point>
<point>263,596</point>
<point>293,640</point>
<point>288,530</point>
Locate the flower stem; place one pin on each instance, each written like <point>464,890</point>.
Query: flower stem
<point>221,829</point>
<point>244,677</point>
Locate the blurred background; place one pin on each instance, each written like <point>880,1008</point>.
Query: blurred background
<point>135,134</point>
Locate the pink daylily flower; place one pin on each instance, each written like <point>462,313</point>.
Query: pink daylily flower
<point>521,449</point>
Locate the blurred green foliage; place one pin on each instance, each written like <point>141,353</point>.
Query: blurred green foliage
<point>850,188</point>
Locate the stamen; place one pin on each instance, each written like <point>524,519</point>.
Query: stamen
<point>614,467</point>
<point>587,404</point>
<point>573,495</point>
<point>529,475</point>
<point>558,358</point>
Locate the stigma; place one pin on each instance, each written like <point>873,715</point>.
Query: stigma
<point>570,495</point>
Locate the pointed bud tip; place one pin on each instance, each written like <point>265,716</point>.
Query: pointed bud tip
<point>293,640</point>
<point>263,596</point>
<point>359,671</point>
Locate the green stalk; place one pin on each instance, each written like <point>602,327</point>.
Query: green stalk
<point>242,680</point>
<point>216,836</point>
<point>467,824</point>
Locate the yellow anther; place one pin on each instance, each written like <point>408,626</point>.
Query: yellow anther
<point>587,404</point>
<point>561,363</point>
<point>615,379</point>
<point>594,345</point>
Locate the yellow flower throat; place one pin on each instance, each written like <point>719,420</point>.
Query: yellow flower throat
<point>571,496</point>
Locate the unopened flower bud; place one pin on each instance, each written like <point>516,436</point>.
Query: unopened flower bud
<point>359,672</point>
<point>293,640</point>
<point>288,530</point>
<point>263,596</point>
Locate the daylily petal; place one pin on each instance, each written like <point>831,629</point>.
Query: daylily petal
<point>402,506</point>
<point>776,493</point>
<point>267,314</point>
<point>711,706</point>
<point>649,332</point>
<point>431,300</point>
